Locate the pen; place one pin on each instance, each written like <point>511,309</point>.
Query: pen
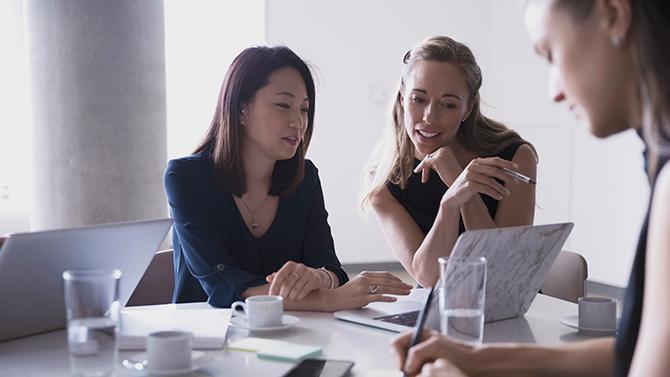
<point>519,176</point>
<point>421,322</point>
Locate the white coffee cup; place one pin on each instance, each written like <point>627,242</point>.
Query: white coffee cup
<point>168,350</point>
<point>261,311</point>
<point>597,312</point>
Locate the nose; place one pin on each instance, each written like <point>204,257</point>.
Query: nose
<point>298,120</point>
<point>556,91</point>
<point>429,114</point>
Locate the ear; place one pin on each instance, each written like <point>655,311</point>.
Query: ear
<point>468,111</point>
<point>615,19</point>
<point>243,114</point>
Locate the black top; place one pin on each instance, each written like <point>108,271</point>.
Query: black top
<point>422,200</point>
<point>629,327</point>
<point>216,257</point>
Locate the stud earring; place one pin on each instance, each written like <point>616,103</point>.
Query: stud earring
<point>616,40</point>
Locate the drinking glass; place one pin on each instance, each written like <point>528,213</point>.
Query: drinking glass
<point>462,298</point>
<point>92,308</point>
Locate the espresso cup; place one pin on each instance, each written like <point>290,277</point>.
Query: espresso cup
<point>169,350</point>
<point>597,312</point>
<point>261,311</point>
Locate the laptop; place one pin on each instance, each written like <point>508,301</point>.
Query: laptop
<point>518,260</point>
<point>32,264</point>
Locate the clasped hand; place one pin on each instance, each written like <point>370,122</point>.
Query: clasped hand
<point>478,177</point>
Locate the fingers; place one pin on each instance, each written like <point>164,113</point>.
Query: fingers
<point>284,277</point>
<point>400,345</point>
<point>422,353</point>
<point>490,182</point>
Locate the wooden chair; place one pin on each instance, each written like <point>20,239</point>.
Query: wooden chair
<point>567,277</point>
<point>157,283</point>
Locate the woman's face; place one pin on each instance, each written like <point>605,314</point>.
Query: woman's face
<point>435,101</point>
<point>275,121</point>
<point>589,68</point>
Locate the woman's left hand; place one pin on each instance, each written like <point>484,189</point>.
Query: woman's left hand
<point>294,281</point>
<point>443,162</point>
<point>441,368</point>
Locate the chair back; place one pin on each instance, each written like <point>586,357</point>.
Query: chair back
<point>567,277</point>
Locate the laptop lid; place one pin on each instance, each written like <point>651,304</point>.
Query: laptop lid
<point>31,267</point>
<point>518,260</point>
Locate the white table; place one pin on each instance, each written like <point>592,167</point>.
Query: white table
<point>46,354</point>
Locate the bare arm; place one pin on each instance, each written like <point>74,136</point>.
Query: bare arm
<point>516,209</point>
<point>414,251</point>
<point>593,358</point>
<point>651,354</point>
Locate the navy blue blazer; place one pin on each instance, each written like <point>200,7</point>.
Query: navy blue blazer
<point>216,257</point>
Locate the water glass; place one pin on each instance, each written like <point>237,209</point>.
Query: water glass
<point>92,308</point>
<point>462,298</point>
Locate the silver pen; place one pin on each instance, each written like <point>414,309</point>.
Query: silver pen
<point>520,176</point>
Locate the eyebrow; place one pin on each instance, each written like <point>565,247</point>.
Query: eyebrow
<point>284,93</point>
<point>444,95</point>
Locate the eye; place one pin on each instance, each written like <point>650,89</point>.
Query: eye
<point>282,105</point>
<point>448,105</point>
<point>416,99</point>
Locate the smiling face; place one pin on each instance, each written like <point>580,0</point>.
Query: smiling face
<point>434,101</point>
<point>275,121</point>
<point>589,66</point>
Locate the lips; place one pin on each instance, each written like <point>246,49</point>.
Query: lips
<point>426,136</point>
<point>292,140</point>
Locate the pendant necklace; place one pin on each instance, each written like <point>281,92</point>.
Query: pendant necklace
<point>254,224</point>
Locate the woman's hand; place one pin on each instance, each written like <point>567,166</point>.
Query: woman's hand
<point>443,162</point>
<point>433,346</point>
<point>441,368</point>
<point>365,288</point>
<point>479,177</point>
<point>294,281</point>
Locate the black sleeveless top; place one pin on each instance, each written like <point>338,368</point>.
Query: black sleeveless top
<point>422,200</point>
<point>629,327</point>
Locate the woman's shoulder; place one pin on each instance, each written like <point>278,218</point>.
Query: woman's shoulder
<point>192,163</point>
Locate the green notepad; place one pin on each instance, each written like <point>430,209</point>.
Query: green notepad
<point>287,352</point>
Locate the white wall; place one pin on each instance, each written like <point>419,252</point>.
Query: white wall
<point>357,46</point>
<point>201,40</point>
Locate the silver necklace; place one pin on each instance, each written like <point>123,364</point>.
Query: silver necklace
<point>254,224</point>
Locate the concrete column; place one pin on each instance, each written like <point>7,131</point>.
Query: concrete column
<point>97,70</point>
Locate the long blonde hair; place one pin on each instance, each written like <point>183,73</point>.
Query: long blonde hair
<point>392,161</point>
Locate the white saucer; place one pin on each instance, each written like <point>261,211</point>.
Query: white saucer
<point>573,321</point>
<point>138,364</point>
<point>288,321</point>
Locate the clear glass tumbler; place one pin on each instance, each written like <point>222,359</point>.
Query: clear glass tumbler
<point>92,308</point>
<point>462,298</point>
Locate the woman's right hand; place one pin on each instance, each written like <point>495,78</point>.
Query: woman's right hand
<point>433,345</point>
<point>479,177</point>
<point>365,288</point>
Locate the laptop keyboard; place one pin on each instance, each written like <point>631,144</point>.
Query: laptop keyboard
<point>405,319</point>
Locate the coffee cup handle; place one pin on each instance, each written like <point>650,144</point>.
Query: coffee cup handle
<point>241,304</point>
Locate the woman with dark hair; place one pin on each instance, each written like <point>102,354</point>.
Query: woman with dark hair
<point>609,60</point>
<point>441,169</point>
<point>248,209</point>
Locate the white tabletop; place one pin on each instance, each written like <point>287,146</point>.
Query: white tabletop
<point>46,354</point>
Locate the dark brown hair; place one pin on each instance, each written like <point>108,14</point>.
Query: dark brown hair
<point>247,74</point>
<point>650,38</point>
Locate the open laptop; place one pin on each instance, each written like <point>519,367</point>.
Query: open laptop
<point>518,259</point>
<point>32,264</point>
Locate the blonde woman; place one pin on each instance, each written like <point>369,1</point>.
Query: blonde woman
<point>443,167</point>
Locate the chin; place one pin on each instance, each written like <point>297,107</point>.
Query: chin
<point>605,129</point>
